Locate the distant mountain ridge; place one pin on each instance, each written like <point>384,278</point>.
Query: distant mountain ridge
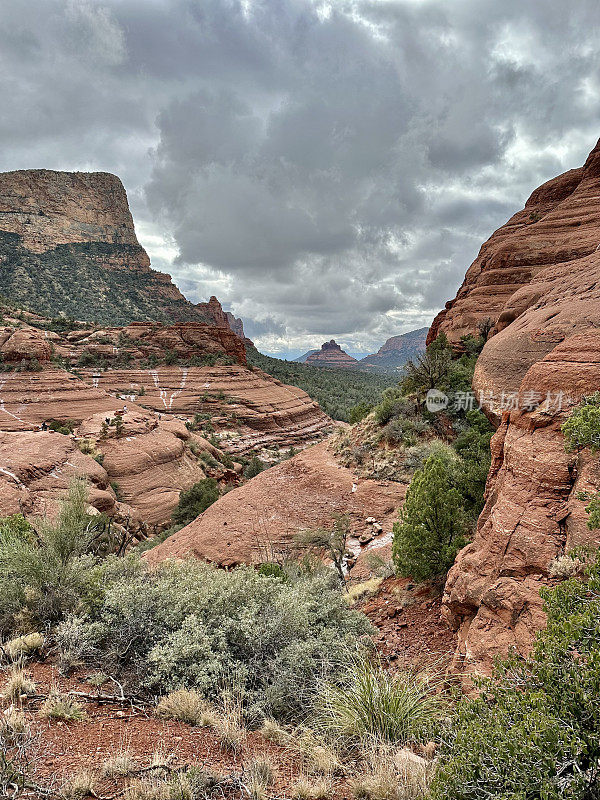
<point>396,352</point>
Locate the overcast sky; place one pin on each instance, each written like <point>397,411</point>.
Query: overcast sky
<point>327,169</point>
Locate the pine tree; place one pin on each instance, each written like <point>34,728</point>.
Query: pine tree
<point>432,523</point>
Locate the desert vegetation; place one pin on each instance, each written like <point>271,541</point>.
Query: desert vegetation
<point>286,653</point>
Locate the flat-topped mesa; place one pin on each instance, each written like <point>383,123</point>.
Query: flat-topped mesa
<point>331,355</point>
<point>542,357</point>
<point>560,223</point>
<point>68,246</point>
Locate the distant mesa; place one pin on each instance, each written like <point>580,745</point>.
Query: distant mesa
<point>331,355</point>
<point>396,352</point>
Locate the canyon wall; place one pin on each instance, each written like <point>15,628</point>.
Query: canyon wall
<point>538,280</point>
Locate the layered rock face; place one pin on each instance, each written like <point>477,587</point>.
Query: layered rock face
<point>331,355</point>
<point>68,246</point>
<point>396,352</point>
<point>48,208</point>
<point>542,357</point>
<point>144,464</point>
<point>559,225</point>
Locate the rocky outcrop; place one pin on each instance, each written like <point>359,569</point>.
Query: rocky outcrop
<point>138,468</point>
<point>68,246</point>
<point>542,358</point>
<point>396,352</point>
<point>331,355</point>
<point>257,521</point>
<point>250,409</point>
<point>147,464</point>
<point>560,224</point>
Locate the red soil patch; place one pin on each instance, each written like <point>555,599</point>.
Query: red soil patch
<point>410,630</point>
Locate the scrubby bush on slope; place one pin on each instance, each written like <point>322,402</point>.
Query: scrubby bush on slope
<point>193,626</point>
<point>534,732</point>
<point>45,572</point>
<point>195,500</point>
<point>446,494</point>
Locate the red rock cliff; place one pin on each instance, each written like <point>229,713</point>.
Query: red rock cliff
<point>538,277</point>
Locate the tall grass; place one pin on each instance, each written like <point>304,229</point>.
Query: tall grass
<point>373,705</point>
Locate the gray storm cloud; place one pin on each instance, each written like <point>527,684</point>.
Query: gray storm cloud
<point>328,169</point>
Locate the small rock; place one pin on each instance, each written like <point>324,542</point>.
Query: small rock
<point>370,520</point>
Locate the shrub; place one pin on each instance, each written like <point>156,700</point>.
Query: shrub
<point>196,500</point>
<point>359,412</point>
<point>432,526</point>
<point>372,705</point>
<point>43,574</point>
<point>88,359</point>
<point>254,468</point>
<point>582,428</point>
<point>534,729</point>
<point>393,404</point>
<point>331,541</point>
<point>191,626</point>
<point>66,427</point>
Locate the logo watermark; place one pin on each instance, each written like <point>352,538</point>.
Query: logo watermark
<point>504,401</point>
<point>436,400</point>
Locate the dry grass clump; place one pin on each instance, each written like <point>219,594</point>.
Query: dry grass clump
<point>153,787</point>
<point>23,646</point>
<point>192,784</point>
<point>186,706</point>
<point>80,785</point>
<point>259,775</point>
<point>393,775</point>
<point>62,707</point>
<point>317,755</point>
<point>273,732</point>
<point>119,766</point>
<point>14,730</point>
<point>18,686</point>
<point>306,788</point>
<point>229,727</point>
<point>360,591</point>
